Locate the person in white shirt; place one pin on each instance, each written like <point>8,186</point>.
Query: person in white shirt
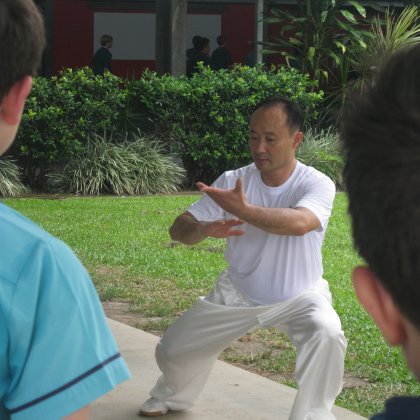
<point>273,214</point>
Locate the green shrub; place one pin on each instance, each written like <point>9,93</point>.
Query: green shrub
<point>322,150</point>
<point>59,114</point>
<point>10,183</point>
<point>205,118</point>
<point>114,166</point>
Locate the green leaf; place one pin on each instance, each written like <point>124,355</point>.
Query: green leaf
<point>272,20</point>
<point>348,15</point>
<point>283,14</point>
<point>362,43</point>
<point>311,54</point>
<point>335,57</point>
<point>360,8</point>
<point>341,46</point>
<point>296,42</point>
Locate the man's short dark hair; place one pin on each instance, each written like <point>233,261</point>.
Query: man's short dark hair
<point>22,41</point>
<point>292,109</point>
<point>381,136</point>
<point>201,43</point>
<point>196,41</point>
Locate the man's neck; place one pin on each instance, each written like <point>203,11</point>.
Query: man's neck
<point>279,177</point>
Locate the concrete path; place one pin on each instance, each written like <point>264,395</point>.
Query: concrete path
<point>231,393</point>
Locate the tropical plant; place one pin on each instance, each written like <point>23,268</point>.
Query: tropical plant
<point>315,39</point>
<point>136,165</point>
<point>10,182</point>
<point>322,150</point>
<point>388,35</point>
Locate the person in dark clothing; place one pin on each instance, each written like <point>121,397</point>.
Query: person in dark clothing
<point>381,136</point>
<point>195,47</point>
<point>221,59</point>
<point>103,57</point>
<point>200,54</point>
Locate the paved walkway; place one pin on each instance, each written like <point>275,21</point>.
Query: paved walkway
<point>231,393</point>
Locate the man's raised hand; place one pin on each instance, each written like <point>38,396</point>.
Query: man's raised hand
<point>232,201</point>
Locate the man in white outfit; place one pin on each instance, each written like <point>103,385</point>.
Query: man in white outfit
<point>273,214</point>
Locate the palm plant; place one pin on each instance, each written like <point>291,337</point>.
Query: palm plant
<point>315,40</point>
<point>388,35</point>
<point>107,165</point>
<point>10,183</point>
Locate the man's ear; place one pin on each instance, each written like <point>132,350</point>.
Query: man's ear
<point>297,138</point>
<point>11,106</point>
<point>380,305</point>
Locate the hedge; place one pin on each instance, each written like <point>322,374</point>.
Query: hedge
<point>203,119</point>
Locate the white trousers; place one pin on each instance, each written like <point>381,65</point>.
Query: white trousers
<point>189,348</point>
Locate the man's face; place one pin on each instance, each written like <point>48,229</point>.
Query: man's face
<point>272,143</point>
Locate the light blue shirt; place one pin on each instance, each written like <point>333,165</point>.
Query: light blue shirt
<point>57,353</point>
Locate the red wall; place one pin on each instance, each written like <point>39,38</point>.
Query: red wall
<point>238,26</point>
<point>73,36</point>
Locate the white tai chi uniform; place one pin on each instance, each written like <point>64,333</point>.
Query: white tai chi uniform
<point>272,280</point>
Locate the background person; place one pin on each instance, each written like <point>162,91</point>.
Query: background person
<point>199,54</point>
<point>103,58</point>
<point>220,58</point>
<point>274,214</point>
<point>195,42</point>
<point>57,353</point>
<point>381,136</point>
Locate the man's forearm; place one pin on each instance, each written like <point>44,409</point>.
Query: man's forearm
<point>280,221</point>
<point>186,230</point>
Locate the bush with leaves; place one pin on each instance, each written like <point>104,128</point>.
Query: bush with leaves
<point>114,164</point>
<point>394,31</point>
<point>10,182</point>
<point>59,114</point>
<point>205,119</point>
<point>322,150</point>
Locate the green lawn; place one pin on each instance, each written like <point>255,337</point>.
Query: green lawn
<point>124,243</point>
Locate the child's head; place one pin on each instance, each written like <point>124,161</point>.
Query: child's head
<point>381,135</point>
<point>106,41</point>
<point>22,41</point>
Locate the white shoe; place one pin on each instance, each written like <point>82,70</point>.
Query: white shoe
<point>153,408</point>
